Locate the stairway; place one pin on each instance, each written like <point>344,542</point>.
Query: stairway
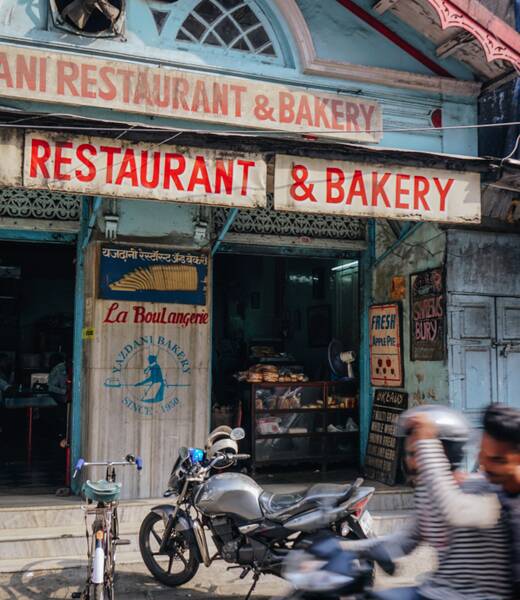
<point>45,537</point>
<point>52,536</point>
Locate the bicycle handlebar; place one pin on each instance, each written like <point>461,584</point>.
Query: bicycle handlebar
<point>129,460</point>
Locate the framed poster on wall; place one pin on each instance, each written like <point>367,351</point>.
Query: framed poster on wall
<point>386,355</point>
<point>145,274</point>
<point>427,315</point>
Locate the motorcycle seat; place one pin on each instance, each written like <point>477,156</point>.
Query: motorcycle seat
<point>279,507</point>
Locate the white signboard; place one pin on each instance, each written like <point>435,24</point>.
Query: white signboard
<point>376,190</point>
<point>70,79</point>
<point>108,167</point>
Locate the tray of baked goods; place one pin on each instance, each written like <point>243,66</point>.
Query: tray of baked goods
<point>261,373</point>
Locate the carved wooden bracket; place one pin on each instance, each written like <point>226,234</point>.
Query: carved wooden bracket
<point>495,47</point>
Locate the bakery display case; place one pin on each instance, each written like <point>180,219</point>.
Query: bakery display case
<point>302,422</point>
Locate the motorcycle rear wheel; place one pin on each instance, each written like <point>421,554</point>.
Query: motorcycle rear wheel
<point>183,551</point>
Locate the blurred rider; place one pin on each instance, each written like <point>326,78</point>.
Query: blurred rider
<point>472,543</point>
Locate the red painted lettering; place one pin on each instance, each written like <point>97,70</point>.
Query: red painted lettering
<point>142,90</point>
<point>87,81</point>
<point>154,181</point>
<point>224,176</point>
<point>304,112</point>
<point>357,188</point>
<point>40,154</point>
<point>68,73</point>
<point>338,116</point>
<point>128,168</point>
<point>335,181</point>
<point>26,72</point>
<point>110,91</point>
<point>199,175</point>
<point>60,160</point>
<point>400,191</point>
<point>161,99</point>
<point>238,91</point>
<point>443,191</point>
<point>368,113</point>
<point>246,165</point>
<point>200,98</point>
<point>110,151</point>
<point>5,71</point>
<point>180,92</point>
<point>320,112</point>
<point>127,76</point>
<point>286,102</point>
<point>352,116</point>
<point>91,168</point>
<point>421,187</point>
<point>220,98</point>
<point>171,173</point>
<point>378,188</point>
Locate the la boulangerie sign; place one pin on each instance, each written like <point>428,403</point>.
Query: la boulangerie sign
<point>110,167</point>
<point>376,190</point>
<point>72,79</point>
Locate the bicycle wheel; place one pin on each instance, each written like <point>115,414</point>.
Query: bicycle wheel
<point>178,564</point>
<point>99,591</point>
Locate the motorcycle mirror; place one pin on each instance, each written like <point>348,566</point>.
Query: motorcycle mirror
<point>184,452</point>
<point>237,434</point>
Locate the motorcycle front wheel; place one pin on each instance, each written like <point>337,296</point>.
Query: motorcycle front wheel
<point>178,564</point>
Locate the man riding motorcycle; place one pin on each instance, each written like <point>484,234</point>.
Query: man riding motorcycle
<point>473,559</point>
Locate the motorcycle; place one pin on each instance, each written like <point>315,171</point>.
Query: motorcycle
<point>324,571</point>
<point>251,529</point>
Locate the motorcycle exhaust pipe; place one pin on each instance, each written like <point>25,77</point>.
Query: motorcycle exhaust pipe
<point>200,538</point>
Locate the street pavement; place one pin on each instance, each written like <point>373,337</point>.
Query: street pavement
<point>135,583</point>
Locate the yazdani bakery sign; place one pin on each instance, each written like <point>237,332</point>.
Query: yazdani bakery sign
<point>376,190</point>
<point>75,80</point>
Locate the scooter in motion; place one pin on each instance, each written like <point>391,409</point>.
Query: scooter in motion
<point>251,529</point>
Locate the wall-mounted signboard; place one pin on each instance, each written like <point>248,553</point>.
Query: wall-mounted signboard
<point>164,91</point>
<point>382,457</point>
<point>143,274</point>
<point>427,315</point>
<point>341,188</point>
<point>386,356</point>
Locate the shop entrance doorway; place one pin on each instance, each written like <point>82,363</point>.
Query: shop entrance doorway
<point>274,319</point>
<point>36,321</point>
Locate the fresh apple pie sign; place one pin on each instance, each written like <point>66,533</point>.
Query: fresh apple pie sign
<point>376,190</point>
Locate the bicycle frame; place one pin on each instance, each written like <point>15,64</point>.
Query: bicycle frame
<point>101,549</point>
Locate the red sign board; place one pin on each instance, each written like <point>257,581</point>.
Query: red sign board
<point>386,356</point>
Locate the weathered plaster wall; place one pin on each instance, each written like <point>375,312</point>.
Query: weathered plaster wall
<point>425,382</point>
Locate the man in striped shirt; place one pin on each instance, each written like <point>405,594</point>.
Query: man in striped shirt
<point>472,544</point>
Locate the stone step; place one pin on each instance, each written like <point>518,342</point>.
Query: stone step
<point>49,544</point>
<point>386,522</point>
<point>35,517</point>
<point>398,500</point>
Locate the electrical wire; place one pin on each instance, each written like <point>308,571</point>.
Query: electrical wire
<point>256,132</point>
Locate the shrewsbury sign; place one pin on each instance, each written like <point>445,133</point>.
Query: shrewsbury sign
<point>376,190</point>
<point>137,170</point>
<point>71,79</point>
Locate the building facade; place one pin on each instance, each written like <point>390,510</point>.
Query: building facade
<point>192,187</point>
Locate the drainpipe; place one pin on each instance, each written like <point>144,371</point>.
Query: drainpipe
<point>77,353</point>
<point>365,389</point>
<point>231,217</point>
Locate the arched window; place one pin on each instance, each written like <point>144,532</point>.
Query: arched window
<point>231,24</point>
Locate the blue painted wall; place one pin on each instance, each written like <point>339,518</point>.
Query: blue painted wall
<point>338,35</point>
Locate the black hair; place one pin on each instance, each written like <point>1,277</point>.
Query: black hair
<point>502,423</point>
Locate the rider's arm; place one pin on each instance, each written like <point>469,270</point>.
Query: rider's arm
<point>395,545</point>
<point>459,508</point>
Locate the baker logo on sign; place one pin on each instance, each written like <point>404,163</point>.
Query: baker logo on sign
<point>150,373</point>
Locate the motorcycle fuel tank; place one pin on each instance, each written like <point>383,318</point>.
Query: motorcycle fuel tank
<point>231,494</point>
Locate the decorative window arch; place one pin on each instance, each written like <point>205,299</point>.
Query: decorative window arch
<point>231,25</point>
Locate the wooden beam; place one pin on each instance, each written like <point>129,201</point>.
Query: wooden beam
<point>382,6</point>
<point>450,46</point>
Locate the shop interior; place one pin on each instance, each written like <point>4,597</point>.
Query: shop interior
<point>36,321</point>
<point>285,345</point>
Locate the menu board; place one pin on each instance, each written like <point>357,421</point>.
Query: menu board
<point>428,315</point>
<point>386,357</point>
<point>382,456</point>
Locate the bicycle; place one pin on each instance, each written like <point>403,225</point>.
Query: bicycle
<point>101,548</point>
